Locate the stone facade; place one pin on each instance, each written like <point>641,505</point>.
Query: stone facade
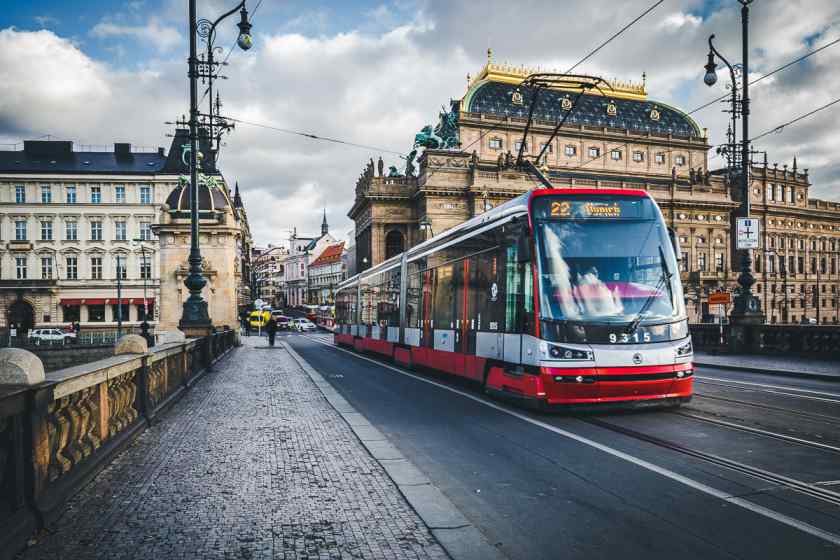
<point>656,148</point>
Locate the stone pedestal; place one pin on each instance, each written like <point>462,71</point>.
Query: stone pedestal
<point>195,330</point>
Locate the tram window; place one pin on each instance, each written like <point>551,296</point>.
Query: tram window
<point>443,297</point>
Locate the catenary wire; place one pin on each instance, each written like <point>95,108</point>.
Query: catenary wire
<point>614,35</point>
<point>314,136</point>
<point>777,70</point>
<point>781,127</point>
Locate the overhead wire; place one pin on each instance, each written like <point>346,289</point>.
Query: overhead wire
<point>314,136</point>
<point>614,35</point>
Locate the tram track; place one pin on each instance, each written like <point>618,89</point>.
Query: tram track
<point>806,394</point>
<point>759,431</point>
<point>816,417</point>
<point>799,486</point>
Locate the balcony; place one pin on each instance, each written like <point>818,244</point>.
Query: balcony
<point>20,245</point>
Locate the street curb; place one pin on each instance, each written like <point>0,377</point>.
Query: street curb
<point>459,538</point>
<point>748,369</point>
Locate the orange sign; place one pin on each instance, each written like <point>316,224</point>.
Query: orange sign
<point>720,298</point>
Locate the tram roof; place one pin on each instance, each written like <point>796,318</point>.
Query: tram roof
<point>513,207</point>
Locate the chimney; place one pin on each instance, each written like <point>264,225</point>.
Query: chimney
<point>48,148</point>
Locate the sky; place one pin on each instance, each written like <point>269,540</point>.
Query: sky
<point>374,73</point>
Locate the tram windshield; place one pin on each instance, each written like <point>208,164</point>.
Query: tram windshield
<point>605,260</point>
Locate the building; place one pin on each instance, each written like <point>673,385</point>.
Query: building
<point>269,273</point>
<point>68,221</point>
<point>615,137</point>
<point>302,251</point>
<point>72,221</point>
<point>244,251</point>
<point>325,273</point>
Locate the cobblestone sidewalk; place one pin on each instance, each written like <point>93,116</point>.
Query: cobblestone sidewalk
<point>252,463</point>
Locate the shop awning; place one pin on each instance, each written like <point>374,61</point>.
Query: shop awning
<point>139,301</point>
<point>71,302</point>
<point>94,301</point>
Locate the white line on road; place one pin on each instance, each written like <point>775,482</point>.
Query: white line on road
<point>755,508</point>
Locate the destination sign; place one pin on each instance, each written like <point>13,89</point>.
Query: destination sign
<point>593,207</point>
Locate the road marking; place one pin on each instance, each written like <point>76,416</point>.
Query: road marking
<point>705,379</point>
<point>667,473</point>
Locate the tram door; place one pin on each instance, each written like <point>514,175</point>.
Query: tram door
<point>426,309</point>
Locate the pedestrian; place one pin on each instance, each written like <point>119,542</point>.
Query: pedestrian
<point>271,329</point>
<point>247,326</point>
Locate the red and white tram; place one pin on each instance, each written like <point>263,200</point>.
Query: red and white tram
<point>557,297</point>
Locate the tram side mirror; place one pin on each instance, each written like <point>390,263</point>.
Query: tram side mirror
<point>675,243</point>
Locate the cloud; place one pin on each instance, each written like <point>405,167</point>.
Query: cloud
<point>379,85</point>
<point>162,37</point>
<point>46,21</point>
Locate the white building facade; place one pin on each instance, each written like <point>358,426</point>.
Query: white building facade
<point>71,223</point>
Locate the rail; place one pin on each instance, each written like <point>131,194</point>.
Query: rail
<point>55,436</point>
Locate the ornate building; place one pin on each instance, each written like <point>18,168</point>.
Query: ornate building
<point>72,222</point>
<point>613,137</point>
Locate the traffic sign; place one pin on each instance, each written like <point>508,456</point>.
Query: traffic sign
<point>720,298</point>
<point>747,229</point>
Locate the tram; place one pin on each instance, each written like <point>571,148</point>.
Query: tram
<point>557,298</point>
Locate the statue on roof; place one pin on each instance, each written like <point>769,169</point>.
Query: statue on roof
<point>409,163</point>
<point>392,171</point>
<point>380,165</point>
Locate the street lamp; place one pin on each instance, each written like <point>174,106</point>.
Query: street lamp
<point>195,317</point>
<point>144,326</point>
<point>426,225</point>
<point>119,295</point>
<point>747,308</point>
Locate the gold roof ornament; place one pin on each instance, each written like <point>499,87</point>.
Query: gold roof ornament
<point>612,110</point>
<point>566,103</point>
<point>509,74</point>
<point>654,113</point>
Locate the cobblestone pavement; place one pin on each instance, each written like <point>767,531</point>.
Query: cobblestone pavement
<point>251,463</point>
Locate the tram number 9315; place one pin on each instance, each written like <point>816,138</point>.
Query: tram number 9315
<point>627,338</point>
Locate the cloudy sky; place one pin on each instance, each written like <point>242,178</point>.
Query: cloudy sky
<point>375,72</point>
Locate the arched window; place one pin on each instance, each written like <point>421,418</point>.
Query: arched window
<point>393,244</point>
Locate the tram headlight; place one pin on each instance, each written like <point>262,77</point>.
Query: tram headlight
<point>685,350</point>
<point>571,354</point>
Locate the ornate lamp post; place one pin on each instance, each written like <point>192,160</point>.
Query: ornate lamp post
<point>195,319</point>
<point>747,308</point>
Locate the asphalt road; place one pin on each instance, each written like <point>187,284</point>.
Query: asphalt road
<point>749,469</point>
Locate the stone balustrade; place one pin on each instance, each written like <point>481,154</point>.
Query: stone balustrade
<point>817,341</point>
<point>57,434</point>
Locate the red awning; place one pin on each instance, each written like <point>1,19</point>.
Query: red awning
<point>71,302</point>
<point>94,301</point>
<point>115,301</point>
<point>139,301</point>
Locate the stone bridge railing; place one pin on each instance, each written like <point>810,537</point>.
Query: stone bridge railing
<point>816,341</point>
<point>57,434</point>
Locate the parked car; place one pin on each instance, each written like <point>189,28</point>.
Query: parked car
<point>283,322</point>
<point>50,336</point>
<point>303,325</point>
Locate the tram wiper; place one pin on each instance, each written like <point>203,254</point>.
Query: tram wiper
<point>665,278</point>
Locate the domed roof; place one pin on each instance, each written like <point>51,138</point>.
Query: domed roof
<point>594,110</point>
<point>210,199</point>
